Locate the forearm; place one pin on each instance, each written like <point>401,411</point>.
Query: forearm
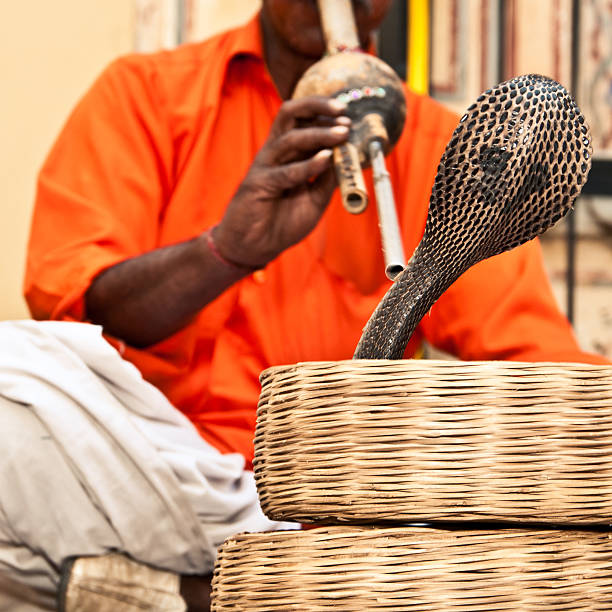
<point>145,299</point>
<point>288,186</point>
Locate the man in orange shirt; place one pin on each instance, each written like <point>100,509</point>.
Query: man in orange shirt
<point>188,207</point>
<point>169,154</point>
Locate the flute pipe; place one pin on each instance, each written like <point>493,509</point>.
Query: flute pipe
<point>393,249</point>
<point>350,178</point>
<point>338,23</point>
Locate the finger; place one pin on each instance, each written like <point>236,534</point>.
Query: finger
<point>295,143</point>
<point>298,173</point>
<point>343,120</point>
<point>321,121</point>
<point>307,108</point>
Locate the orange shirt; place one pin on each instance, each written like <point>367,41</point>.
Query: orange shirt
<point>153,154</point>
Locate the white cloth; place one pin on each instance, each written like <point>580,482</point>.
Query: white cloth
<point>96,459</point>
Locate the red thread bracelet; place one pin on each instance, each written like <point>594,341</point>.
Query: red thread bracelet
<point>210,241</point>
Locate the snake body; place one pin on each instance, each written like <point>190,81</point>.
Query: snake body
<point>513,167</point>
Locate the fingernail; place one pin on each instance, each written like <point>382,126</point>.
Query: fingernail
<point>337,105</point>
<point>323,154</point>
<point>340,130</point>
<point>343,120</point>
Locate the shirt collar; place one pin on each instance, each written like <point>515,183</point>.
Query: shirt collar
<point>247,40</point>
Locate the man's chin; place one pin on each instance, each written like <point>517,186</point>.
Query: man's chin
<point>310,45</point>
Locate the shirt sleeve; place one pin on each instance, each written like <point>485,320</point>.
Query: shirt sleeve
<point>101,190</point>
<point>504,308</point>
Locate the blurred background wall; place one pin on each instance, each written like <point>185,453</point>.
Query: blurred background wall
<point>51,50</point>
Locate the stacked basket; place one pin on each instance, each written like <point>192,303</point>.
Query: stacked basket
<point>506,467</point>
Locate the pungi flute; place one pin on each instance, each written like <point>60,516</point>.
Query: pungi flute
<point>375,102</point>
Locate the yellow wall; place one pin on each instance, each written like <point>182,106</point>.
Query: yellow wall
<point>50,51</point>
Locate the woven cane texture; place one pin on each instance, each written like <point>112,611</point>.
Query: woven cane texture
<point>370,441</point>
<point>412,569</point>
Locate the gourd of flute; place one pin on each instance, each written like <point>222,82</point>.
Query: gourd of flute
<point>371,89</point>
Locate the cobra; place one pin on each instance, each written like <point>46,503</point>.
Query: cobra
<point>513,167</point>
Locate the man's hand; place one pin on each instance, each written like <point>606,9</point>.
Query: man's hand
<point>288,185</point>
<point>145,299</point>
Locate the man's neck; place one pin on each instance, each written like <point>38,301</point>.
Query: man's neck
<point>285,65</point>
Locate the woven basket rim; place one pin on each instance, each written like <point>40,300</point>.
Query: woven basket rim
<point>358,364</point>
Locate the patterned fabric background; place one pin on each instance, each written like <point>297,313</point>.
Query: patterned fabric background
<point>595,71</point>
<point>477,43</point>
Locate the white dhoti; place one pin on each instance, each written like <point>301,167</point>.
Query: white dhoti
<point>94,459</point>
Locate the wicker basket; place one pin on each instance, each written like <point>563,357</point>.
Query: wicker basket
<point>411,441</point>
<point>411,569</point>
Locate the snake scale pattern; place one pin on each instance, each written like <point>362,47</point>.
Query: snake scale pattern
<point>513,167</point>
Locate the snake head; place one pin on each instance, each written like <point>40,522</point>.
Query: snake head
<point>513,167</point>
